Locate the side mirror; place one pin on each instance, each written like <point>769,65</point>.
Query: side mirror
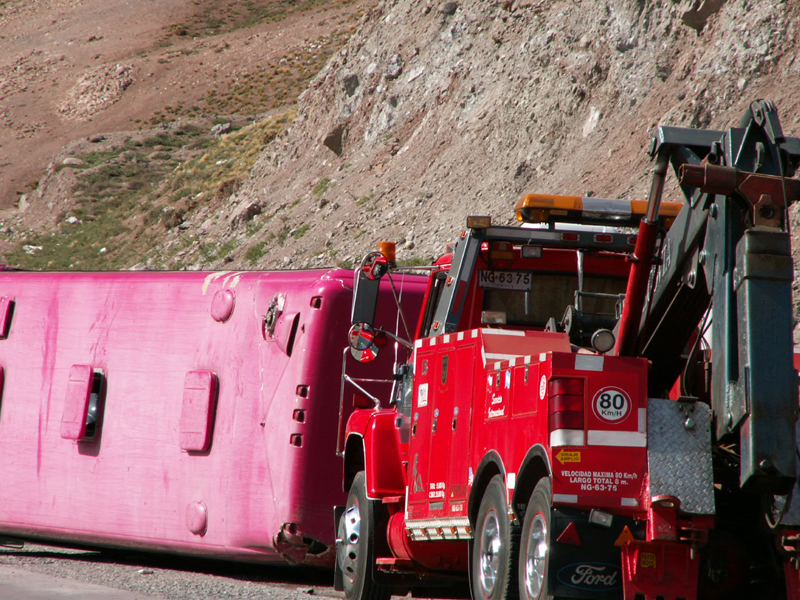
<point>374,266</point>
<point>362,342</point>
<point>365,295</point>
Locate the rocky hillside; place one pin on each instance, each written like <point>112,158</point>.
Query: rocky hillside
<point>437,110</point>
<point>72,71</point>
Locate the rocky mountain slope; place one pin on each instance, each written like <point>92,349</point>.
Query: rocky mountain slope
<point>73,69</point>
<point>437,110</point>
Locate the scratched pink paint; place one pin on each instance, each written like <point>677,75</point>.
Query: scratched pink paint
<point>188,412</point>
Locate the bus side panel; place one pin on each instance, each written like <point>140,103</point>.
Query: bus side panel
<point>133,483</point>
<point>270,475</point>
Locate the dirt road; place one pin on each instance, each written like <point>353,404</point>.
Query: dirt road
<point>42,572</point>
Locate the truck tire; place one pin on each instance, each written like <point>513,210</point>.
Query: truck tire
<point>534,551</point>
<point>494,549</point>
<point>355,553</point>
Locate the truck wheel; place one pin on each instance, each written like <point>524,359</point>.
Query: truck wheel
<point>534,552</point>
<point>355,554</point>
<point>494,548</point>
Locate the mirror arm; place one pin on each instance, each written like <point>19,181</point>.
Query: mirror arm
<point>414,269</point>
<point>399,306</point>
<point>397,339</point>
<point>350,380</point>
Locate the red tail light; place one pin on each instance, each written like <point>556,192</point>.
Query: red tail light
<point>566,403</point>
<point>501,255</point>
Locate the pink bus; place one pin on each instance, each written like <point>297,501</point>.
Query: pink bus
<point>187,412</point>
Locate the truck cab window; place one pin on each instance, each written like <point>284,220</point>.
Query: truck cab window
<point>435,292</point>
<point>402,397</point>
<point>551,294</point>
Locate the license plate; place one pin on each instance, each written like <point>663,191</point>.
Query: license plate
<point>505,280</point>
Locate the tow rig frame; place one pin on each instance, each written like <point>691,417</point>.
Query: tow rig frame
<point>707,508</point>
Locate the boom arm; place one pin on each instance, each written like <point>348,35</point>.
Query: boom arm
<point>729,251</point>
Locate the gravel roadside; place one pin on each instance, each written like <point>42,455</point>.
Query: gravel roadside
<point>172,578</point>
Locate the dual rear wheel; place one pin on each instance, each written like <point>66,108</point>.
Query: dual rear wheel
<point>494,548</point>
<point>505,564</point>
<point>534,555</point>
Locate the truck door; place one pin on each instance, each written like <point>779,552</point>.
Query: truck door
<point>462,373</point>
<point>441,432</point>
<point>418,452</point>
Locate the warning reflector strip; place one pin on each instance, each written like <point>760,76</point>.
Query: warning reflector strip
<point>567,437</point>
<point>497,357</point>
<point>566,498</point>
<point>588,362</point>
<point>631,439</point>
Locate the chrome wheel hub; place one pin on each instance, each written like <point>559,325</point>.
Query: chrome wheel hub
<point>349,535</point>
<point>490,550</point>
<point>536,557</point>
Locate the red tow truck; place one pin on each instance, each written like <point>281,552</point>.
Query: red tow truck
<point>588,411</point>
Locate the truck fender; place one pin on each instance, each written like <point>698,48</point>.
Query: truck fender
<point>376,452</point>
<point>535,466</point>
<point>353,459</point>
<point>490,465</point>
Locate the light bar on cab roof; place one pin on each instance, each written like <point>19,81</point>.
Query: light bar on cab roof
<point>543,208</point>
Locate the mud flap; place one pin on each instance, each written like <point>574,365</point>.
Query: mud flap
<point>586,562</point>
<point>469,559</point>
<point>338,578</point>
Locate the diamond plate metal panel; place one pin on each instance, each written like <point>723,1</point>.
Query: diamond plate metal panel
<point>679,453</point>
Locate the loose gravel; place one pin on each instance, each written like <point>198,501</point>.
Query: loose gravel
<point>167,577</point>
